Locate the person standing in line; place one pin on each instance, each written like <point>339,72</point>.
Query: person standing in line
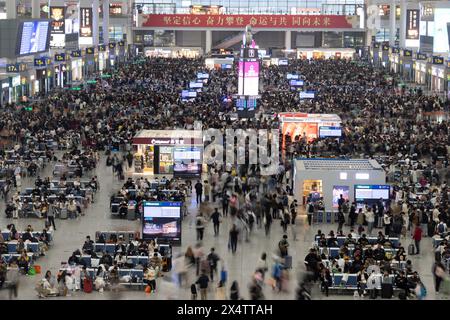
<point>215,217</point>
<point>203,282</point>
<point>341,220</point>
<point>352,214</point>
<point>198,191</point>
<point>234,232</point>
<point>417,236</point>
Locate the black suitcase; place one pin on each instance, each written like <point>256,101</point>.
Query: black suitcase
<point>387,291</point>
<point>411,250</point>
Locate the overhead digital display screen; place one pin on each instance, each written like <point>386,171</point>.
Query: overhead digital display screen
<point>34,37</point>
<point>283,62</point>
<point>296,83</point>
<point>188,160</point>
<point>330,132</point>
<point>291,76</point>
<point>85,24</point>
<point>201,75</point>
<point>372,192</point>
<point>307,95</point>
<point>196,85</point>
<point>248,82</point>
<point>162,220</point>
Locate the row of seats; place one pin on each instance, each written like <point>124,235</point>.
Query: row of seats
<point>394,264</point>
<point>30,246</point>
<point>372,240</point>
<point>138,274</point>
<point>352,281</point>
<point>86,260</point>
<point>334,252</point>
<point>7,236</point>
<point>126,235</point>
<point>9,256</point>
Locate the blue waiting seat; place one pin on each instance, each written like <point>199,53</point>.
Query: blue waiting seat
<point>33,247</point>
<point>110,248</point>
<point>143,260</point>
<point>99,247</point>
<point>86,260</point>
<point>12,247</point>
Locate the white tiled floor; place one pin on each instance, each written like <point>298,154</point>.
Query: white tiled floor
<point>70,235</point>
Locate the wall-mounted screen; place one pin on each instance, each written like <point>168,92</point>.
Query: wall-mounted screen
<point>162,220</point>
<point>283,62</point>
<point>337,191</point>
<point>291,76</point>
<point>34,37</point>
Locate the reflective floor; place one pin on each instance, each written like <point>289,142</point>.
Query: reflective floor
<point>70,235</point>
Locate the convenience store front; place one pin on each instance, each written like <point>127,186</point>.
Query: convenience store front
<point>168,152</point>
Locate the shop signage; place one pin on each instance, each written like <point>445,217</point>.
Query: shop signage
<point>75,54</point>
<point>385,47</point>
<point>90,50</point>
<point>376,45</point>
<point>121,43</point>
<point>85,22</point>
<point>412,24</point>
<point>256,21</point>
<point>421,56</point>
<point>112,45</point>
<point>437,60</point>
<point>395,50</point>
<point>12,68</point>
<point>407,53</point>
<point>57,14</point>
<point>101,47</point>
<point>60,57</point>
<point>40,62</point>
<point>170,141</point>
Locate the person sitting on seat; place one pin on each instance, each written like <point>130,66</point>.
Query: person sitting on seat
<point>378,253</point>
<point>106,259</point>
<point>88,246</point>
<point>363,241</point>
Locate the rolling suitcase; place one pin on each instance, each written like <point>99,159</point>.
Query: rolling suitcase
<point>411,249</point>
<point>288,262</point>
<point>63,214</point>
<point>87,285</point>
<point>386,290</point>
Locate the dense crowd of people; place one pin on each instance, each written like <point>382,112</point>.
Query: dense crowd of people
<point>379,119</point>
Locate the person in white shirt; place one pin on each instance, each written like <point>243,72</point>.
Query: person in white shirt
<point>436,213</point>
<point>370,218</point>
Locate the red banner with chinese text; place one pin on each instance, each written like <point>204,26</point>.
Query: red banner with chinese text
<point>256,21</point>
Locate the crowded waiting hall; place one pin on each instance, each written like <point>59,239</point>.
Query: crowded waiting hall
<point>224,150</point>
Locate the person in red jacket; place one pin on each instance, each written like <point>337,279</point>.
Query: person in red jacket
<point>417,236</point>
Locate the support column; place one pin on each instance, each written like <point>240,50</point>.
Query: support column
<point>11,9</point>
<point>95,18</point>
<point>403,6</point>
<point>105,24</point>
<point>392,26</point>
<point>35,9</point>
<point>208,41</point>
<point>288,39</point>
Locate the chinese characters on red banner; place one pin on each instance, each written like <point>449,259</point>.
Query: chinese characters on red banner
<point>240,21</point>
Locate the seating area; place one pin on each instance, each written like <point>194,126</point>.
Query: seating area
<point>131,270</point>
<point>12,249</point>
